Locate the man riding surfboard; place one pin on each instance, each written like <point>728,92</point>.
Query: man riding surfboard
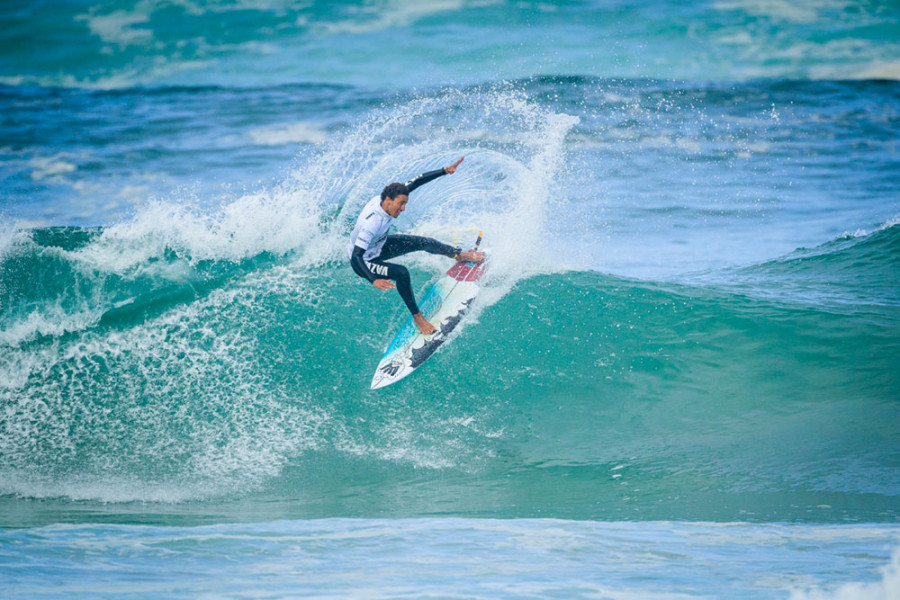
<point>371,246</point>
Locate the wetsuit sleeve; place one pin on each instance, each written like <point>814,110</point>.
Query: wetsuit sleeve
<point>359,265</point>
<point>424,178</point>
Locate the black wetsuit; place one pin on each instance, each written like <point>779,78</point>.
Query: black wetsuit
<point>375,222</point>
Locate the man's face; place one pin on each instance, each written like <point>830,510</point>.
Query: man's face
<point>395,206</point>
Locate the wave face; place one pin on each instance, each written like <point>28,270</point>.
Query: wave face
<point>127,43</point>
<point>135,368</point>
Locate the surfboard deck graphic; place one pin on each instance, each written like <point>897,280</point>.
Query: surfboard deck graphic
<point>445,304</point>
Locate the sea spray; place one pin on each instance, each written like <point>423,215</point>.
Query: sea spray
<point>194,325</point>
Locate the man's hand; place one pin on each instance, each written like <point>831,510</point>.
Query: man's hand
<point>384,284</point>
<point>452,168</point>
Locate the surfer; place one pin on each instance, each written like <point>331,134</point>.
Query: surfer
<point>371,246</point>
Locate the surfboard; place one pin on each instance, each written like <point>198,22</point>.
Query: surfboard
<point>444,305</point>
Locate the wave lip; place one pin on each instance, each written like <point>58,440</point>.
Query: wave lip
<point>853,270</point>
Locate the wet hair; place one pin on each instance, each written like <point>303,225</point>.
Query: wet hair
<point>393,190</point>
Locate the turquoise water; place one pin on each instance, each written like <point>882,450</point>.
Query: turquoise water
<point>680,379</point>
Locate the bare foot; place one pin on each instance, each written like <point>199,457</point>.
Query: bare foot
<point>424,326</point>
<point>471,256</point>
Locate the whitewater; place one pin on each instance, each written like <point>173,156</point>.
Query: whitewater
<point>680,379</point>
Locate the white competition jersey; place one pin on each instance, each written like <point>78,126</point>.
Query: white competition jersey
<point>371,229</point>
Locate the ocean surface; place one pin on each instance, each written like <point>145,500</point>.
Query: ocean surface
<point>682,376</point>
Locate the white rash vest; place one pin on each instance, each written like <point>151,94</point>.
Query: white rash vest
<point>372,226</point>
<point>371,229</point>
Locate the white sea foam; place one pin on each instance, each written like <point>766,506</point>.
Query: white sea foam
<point>118,27</point>
<point>894,222</point>
<point>887,588</point>
<point>885,69</point>
<point>190,421</point>
<point>11,234</point>
<point>269,220</point>
<point>161,69</point>
<point>50,320</point>
<point>289,133</point>
<point>51,167</point>
<point>783,10</point>
<point>385,14</point>
<point>13,80</point>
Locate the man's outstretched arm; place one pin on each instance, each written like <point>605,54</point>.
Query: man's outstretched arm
<point>432,175</point>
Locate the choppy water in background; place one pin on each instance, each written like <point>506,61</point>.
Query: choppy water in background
<point>681,380</point>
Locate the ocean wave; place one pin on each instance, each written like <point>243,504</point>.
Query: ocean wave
<point>127,43</point>
<point>853,270</point>
<point>579,381</point>
<point>222,349</point>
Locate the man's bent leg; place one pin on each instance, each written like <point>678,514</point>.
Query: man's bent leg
<point>400,244</point>
<point>400,275</point>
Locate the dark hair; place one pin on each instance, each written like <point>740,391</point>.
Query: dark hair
<point>393,190</point>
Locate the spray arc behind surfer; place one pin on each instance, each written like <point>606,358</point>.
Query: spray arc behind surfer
<point>371,246</point>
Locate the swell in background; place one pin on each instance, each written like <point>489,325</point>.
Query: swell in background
<point>390,44</point>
